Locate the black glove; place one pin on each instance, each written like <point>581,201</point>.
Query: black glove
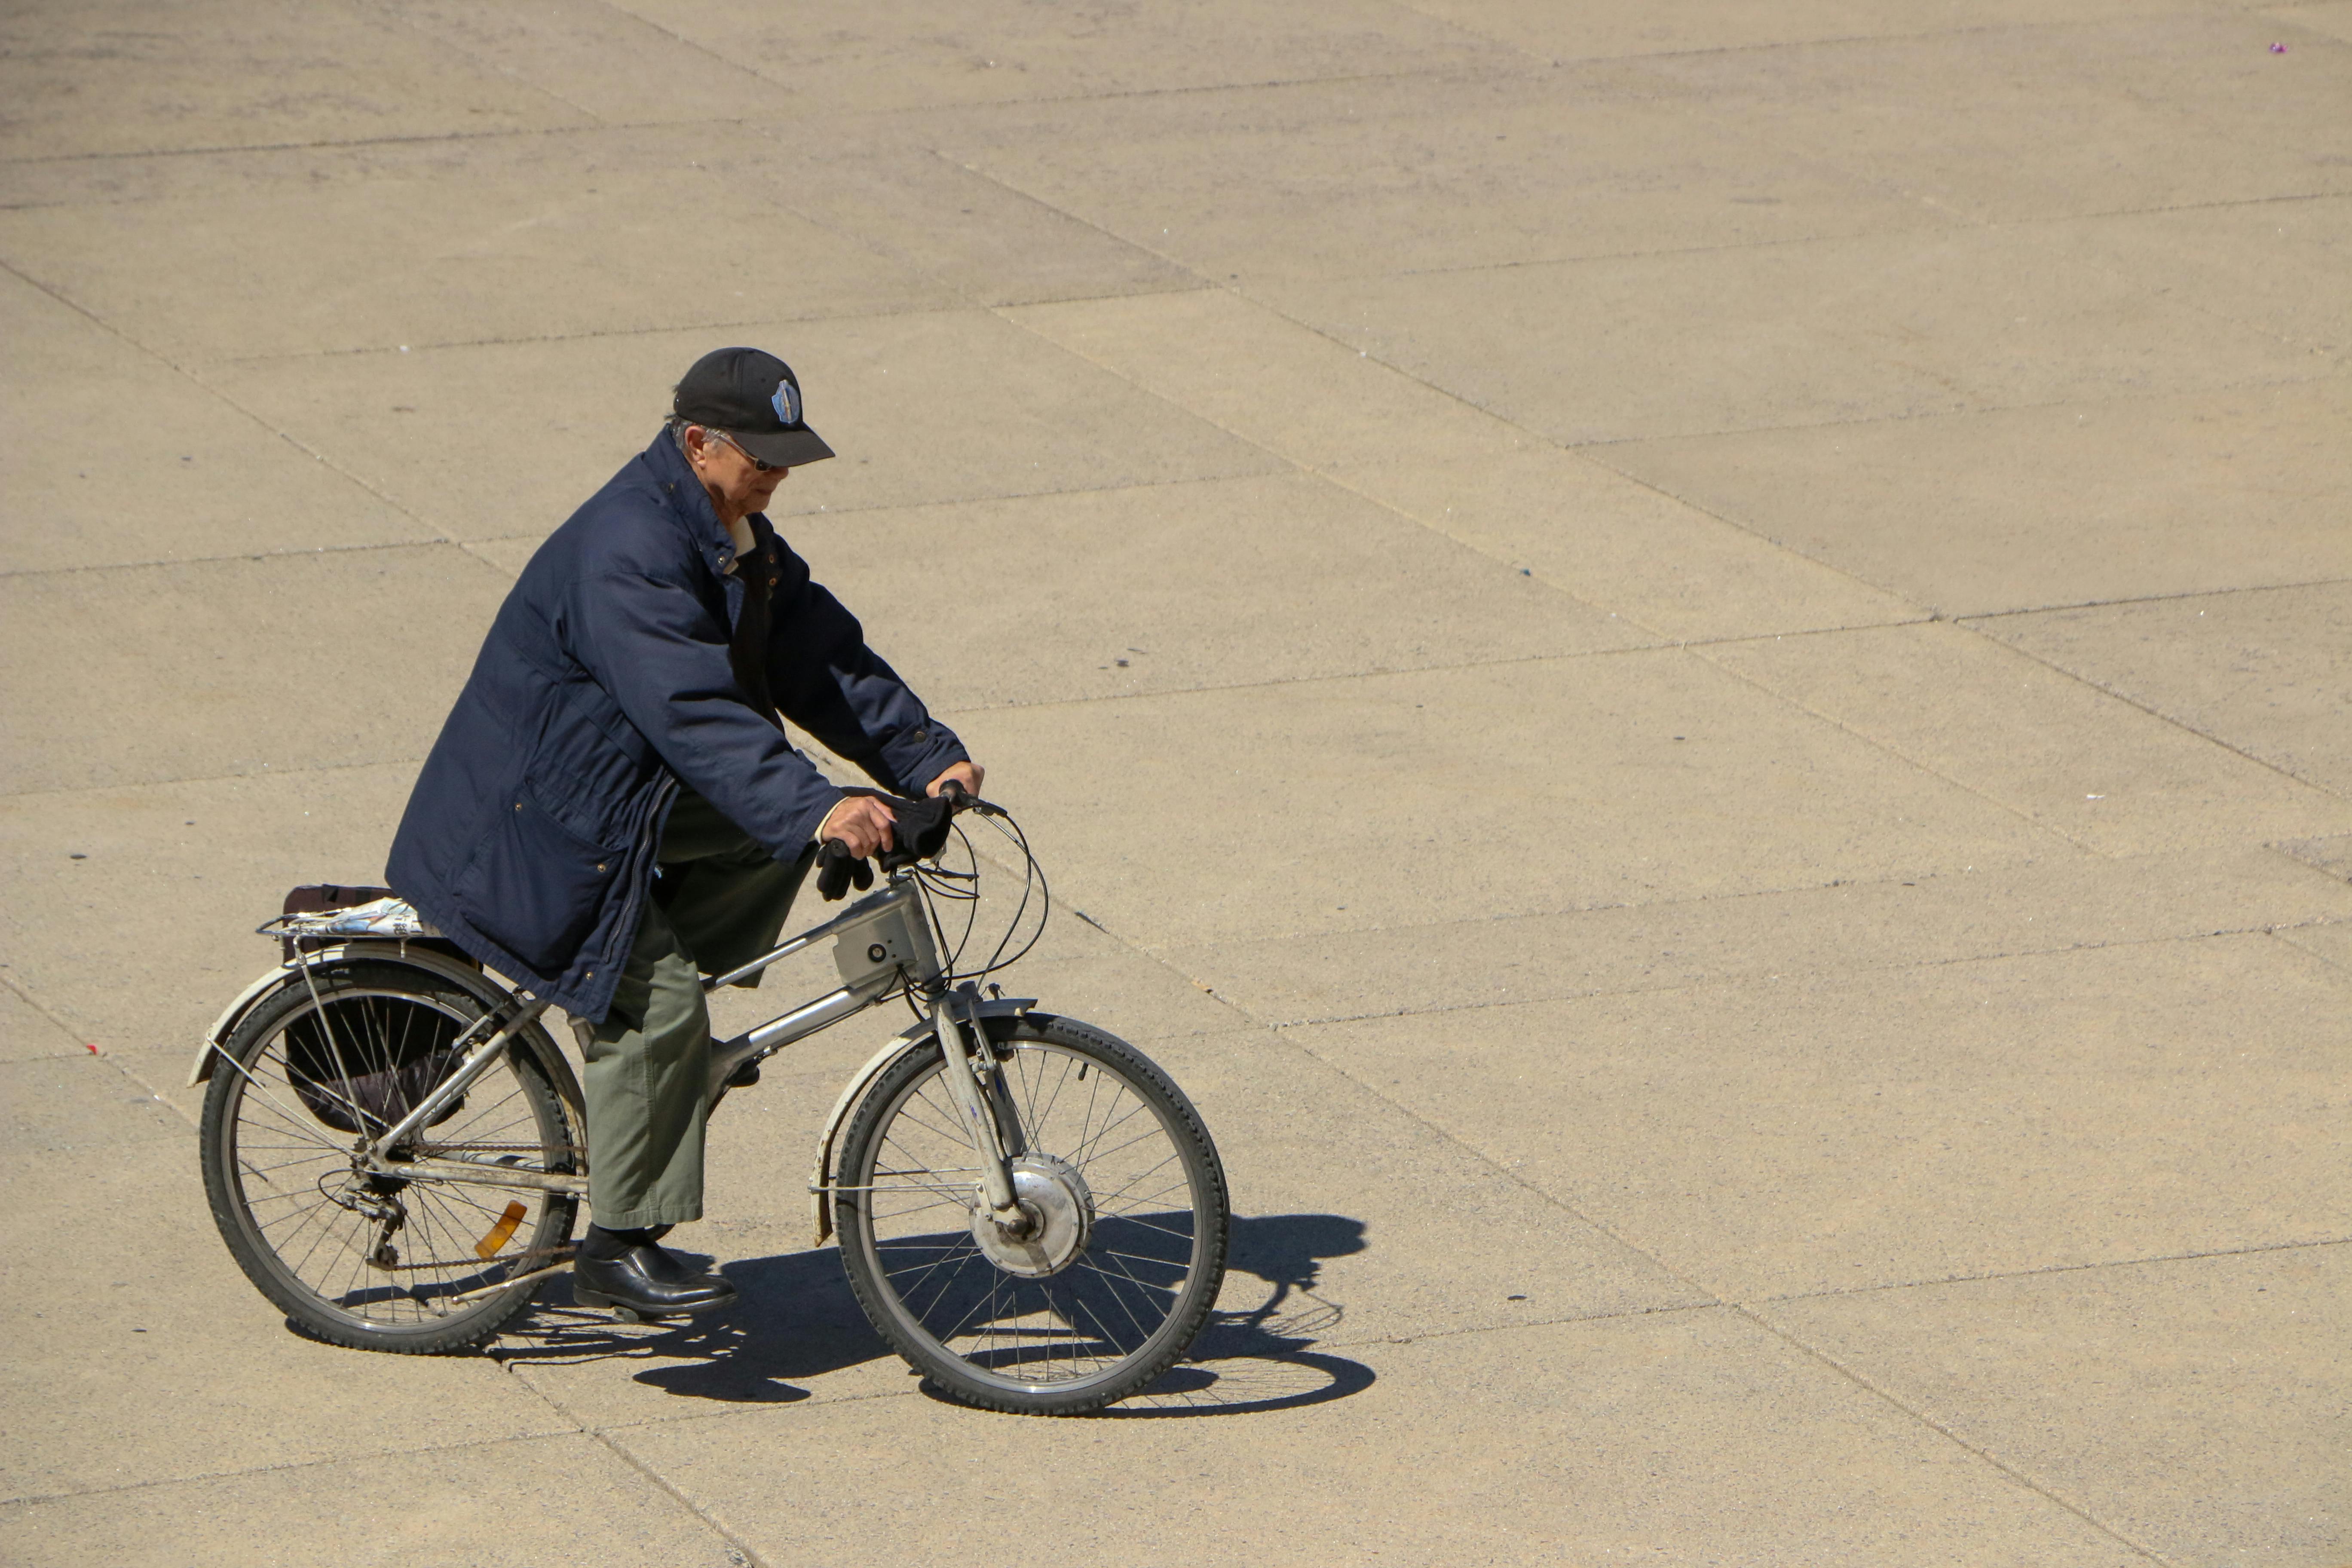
<point>836,867</point>
<point>921,831</point>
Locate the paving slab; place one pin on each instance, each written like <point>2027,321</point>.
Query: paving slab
<point>2109,775</point>
<point>1817,332</point>
<point>1355,1224</point>
<point>902,54</point>
<point>1617,544</point>
<point>2275,265</point>
<point>2033,508</point>
<point>501,1505</point>
<point>2262,673</point>
<point>1380,175</point>
<point>2197,1406</point>
<point>895,396</point>
<point>142,944</point>
<point>1584,1443</point>
<point>885,180</point>
<point>2333,944</point>
<point>2333,17</point>
<point>63,1104</point>
<point>149,1357</point>
<point>603,61</point>
<point>2174,107</point>
<point>113,77</point>
<point>511,239</point>
<point>2065,899</point>
<point>204,479</point>
<point>1310,580</point>
<point>1757,795</point>
<point>1627,28</point>
<point>1790,1135</point>
<point>221,667</point>
<point>27,1034</point>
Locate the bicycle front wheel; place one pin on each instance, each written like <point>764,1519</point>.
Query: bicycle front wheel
<point>354,1255</point>
<point>1126,1253</point>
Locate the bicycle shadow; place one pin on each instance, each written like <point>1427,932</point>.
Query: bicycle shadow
<point>798,1320</point>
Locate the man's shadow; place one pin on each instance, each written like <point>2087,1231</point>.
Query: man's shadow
<point>798,1320</point>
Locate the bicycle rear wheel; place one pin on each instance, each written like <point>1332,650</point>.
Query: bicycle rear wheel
<point>1132,1213</point>
<point>359,1258</point>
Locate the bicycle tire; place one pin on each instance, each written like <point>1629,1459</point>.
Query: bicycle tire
<point>338,1257</point>
<point>1083,1335</point>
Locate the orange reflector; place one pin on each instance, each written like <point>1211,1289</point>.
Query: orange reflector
<point>501,1233</point>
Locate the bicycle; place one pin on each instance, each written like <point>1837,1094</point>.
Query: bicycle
<point>1029,1210</point>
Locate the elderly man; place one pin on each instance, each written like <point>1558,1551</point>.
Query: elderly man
<point>613,807</point>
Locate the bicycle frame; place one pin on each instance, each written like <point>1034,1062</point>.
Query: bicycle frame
<point>880,943</point>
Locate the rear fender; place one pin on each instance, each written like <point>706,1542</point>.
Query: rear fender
<point>465,976</point>
<point>918,1037</point>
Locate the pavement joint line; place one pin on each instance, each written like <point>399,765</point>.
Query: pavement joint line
<point>598,1436</point>
<point>178,369</point>
<point>460,57</point>
<point>470,545</point>
<point>1705,1297</point>
<point>1299,464</point>
<point>17,988</point>
<point>2013,1472</point>
<point>197,1477</point>
<point>2333,960</point>
<point>2158,714</point>
<point>2112,399</point>
<point>1210,690</point>
<point>1881,743</point>
<point>960,308</point>
<point>1700,982</point>
<point>1458,400</point>
<point>1999,1276</point>
<point>2060,671</point>
<point>165,562</point>
<point>261,773</point>
<point>2129,599</point>
<point>1841,38</point>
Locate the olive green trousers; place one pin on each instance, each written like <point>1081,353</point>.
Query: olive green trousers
<point>720,901</point>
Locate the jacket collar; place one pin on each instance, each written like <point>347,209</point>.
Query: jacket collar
<point>692,504</point>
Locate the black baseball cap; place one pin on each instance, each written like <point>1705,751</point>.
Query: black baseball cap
<point>756,399</point>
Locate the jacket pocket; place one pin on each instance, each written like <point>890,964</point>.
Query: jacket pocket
<point>537,887</point>
<point>587,764</point>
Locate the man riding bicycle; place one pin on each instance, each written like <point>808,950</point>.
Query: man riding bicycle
<point>613,808</point>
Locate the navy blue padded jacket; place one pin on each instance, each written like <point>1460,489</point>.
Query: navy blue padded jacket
<point>531,835</point>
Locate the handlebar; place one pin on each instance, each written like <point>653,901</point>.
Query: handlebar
<point>921,832</point>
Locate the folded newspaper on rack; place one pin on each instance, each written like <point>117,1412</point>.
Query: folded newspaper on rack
<point>388,918</point>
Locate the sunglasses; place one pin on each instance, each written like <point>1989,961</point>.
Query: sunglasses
<point>760,465</point>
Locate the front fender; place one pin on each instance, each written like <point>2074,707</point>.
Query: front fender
<point>918,1037</point>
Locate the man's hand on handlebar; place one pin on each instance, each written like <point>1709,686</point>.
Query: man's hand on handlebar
<point>968,774</point>
<point>864,823</point>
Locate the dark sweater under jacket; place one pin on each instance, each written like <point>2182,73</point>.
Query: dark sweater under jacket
<point>532,832</point>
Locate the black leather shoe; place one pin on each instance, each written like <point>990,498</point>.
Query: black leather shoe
<point>644,1281</point>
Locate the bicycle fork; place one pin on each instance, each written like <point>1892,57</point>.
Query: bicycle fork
<point>971,1070</point>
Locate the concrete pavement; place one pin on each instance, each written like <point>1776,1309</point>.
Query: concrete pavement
<point>1689,662</point>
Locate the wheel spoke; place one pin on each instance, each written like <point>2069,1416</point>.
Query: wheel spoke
<point>964,1305</point>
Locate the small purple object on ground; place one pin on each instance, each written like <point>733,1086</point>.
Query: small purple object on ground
<point>2278,49</point>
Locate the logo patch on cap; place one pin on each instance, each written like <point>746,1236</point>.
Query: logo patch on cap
<point>786,403</point>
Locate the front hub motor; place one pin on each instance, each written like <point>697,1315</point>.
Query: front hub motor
<point>1055,1200</point>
